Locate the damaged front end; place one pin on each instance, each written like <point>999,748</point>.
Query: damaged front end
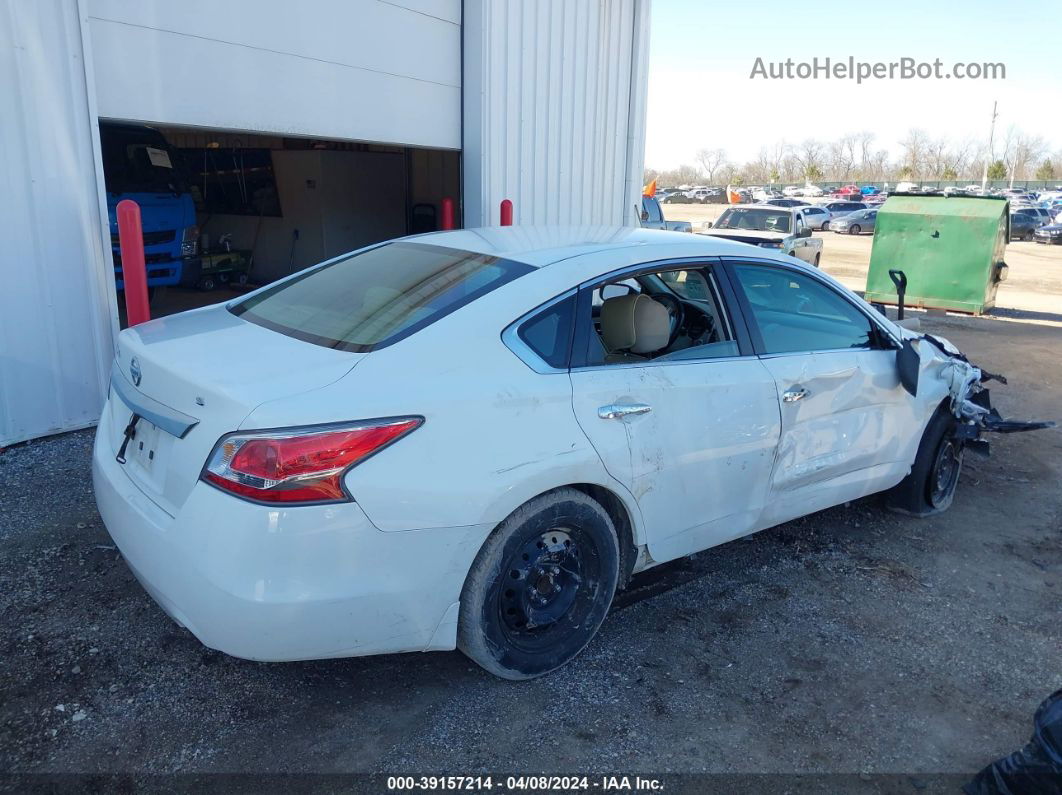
<point>970,401</point>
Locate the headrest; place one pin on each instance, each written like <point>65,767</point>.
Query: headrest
<point>634,323</point>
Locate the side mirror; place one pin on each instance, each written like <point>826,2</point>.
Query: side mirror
<point>608,291</point>
<point>805,232</point>
<point>707,225</point>
<point>907,365</point>
<point>645,215</point>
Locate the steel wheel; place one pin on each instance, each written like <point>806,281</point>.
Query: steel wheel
<point>545,576</point>
<point>944,476</point>
<point>540,586</point>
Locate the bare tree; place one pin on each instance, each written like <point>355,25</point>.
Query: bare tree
<point>842,157</point>
<point>915,149</point>
<point>1021,151</point>
<point>710,161</point>
<point>809,156</point>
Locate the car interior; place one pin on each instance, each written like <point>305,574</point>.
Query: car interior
<point>671,315</point>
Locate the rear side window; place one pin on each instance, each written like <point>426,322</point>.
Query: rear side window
<point>375,298</point>
<point>549,333</point>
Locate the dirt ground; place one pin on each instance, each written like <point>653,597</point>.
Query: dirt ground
<point>854,643</point>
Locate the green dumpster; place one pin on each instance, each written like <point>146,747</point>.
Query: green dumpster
<point>950,247</point>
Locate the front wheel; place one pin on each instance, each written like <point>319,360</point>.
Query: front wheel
<point>930,487</point>
<point>1027,237</point>
<point>540,586</point>
<point>854,229</point>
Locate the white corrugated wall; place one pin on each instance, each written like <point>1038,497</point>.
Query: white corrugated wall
<point>56,283</point>
<point>554,109</point>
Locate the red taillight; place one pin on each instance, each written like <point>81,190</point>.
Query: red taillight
<point>299,464</point>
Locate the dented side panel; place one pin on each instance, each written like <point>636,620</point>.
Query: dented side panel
<point>853,431</point>
<point>699,460</point>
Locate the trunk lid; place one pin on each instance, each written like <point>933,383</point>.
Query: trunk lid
<point>210,367</point>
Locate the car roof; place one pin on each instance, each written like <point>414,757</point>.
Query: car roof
<point>539,246</point>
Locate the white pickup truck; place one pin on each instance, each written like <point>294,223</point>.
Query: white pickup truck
<point>768,226</point>
<point>652,217</point>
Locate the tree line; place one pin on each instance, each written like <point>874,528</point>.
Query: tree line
<point>857,157</point>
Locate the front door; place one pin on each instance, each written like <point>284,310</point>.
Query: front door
<point>687,420</point>
<point>844,412</point>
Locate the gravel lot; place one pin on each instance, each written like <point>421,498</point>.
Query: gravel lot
<point>854,641</point>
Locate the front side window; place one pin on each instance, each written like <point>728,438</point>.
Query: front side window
<point>376,297</point>
<point>794,312</point>
<point>668,315</point>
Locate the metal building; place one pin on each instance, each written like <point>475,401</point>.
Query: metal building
<point>369,108</point>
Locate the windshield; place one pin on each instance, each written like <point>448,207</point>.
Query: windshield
<point>376,297</point>
<point>756,219</point>
<point>138,160</point>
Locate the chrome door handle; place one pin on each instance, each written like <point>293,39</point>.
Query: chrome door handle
<point>793,395</point>
<point>615,411</point>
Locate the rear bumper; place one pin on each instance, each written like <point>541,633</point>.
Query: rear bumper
<point>288,583</point>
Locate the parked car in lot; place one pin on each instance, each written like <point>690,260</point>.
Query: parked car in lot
<point>763,194</point>
<point>768,226</point>
<point>675,197</point>
<point>816,217</point>
<point>838,209</point>
<point>473,438</point>
<point>792,190</point>
<point>653,217</point>
<point>1044,214</point>
<point>812,191</point>
<point>785,202</point>
<point>1024,224</point>
<point>857,223</point>
<point>1050,234</point>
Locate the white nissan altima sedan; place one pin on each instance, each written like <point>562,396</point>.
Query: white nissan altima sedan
<point>471,439</point>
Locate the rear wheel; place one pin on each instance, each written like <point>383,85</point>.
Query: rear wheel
<point>854,229</point>
<point>825,226</point>
<point>1028,236</point>
<point>930,487</point>
<point>540,586</point>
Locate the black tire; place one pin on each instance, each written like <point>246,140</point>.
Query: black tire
<point>854,229</point>
<point>930,487</point>
<point>540,586</point>
<point>1027,237</point>
<point>206,284</point>
<point>825,226</point>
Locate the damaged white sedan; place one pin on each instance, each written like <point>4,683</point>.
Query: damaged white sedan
<point>471,439</point>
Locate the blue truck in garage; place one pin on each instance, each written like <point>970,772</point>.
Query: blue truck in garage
<point>139,164</point>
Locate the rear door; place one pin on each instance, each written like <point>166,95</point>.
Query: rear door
<point>690,429</point>
<point>846,419</point>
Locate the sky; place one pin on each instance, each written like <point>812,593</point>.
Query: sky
<point>702,52</point>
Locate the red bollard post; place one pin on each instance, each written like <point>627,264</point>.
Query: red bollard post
<point>506,213</point>
<point>134,272</point>
<point>447,214</point>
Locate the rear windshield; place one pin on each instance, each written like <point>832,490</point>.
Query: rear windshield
<point>757,219</point>
<point>377,297</point>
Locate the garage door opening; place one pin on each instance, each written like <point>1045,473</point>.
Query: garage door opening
<point>225,212</point>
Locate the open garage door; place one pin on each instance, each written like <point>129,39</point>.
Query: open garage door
<point>224,212</point>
